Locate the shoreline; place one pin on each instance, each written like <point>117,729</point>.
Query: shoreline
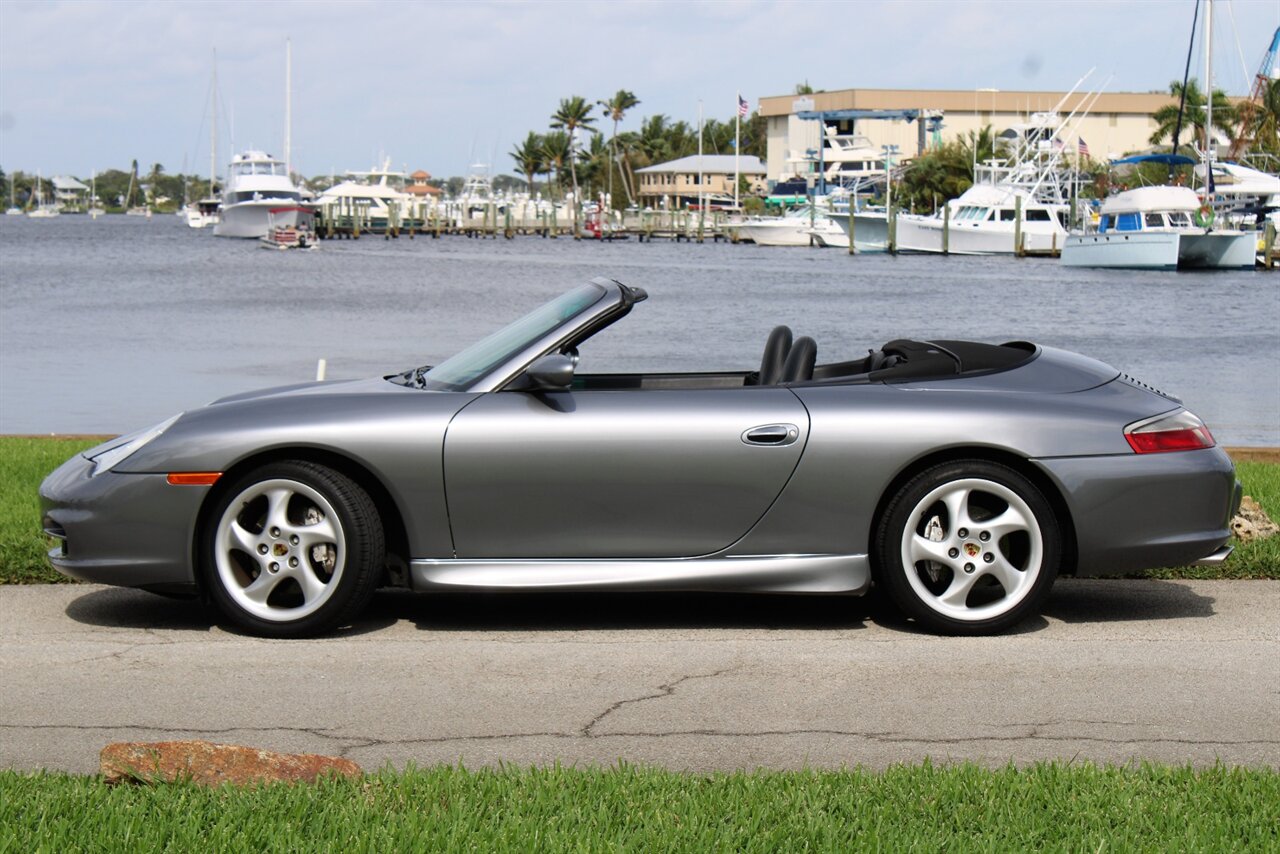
<point>1240,453</point>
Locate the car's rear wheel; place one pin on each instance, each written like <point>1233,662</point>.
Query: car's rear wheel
<point>293,549</point>
<point>968,547</point>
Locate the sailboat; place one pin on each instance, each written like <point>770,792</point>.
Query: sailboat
<point>1168,227</point>
<point>43,209</point>
<point>130,208</point>
<point>13,209</point>
<point>95,209</point>
<point>207,211</point>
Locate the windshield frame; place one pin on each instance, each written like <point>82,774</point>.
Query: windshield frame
<point>533,335</point>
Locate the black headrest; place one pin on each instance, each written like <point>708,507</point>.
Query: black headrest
<point>776,349</point>
<point>800,361</point>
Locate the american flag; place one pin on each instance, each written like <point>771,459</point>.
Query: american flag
<point>1082,147</point>
<point>743,106</point>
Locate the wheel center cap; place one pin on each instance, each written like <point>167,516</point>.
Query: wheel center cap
<point>972,549</point>
<point>279,550</point>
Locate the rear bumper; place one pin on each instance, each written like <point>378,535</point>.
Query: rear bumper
<point>130,530</point>
<point>1143,511</point>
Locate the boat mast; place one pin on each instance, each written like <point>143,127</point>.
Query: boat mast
<point>213,131</point>
<point>288,118</point>
<point>1208,101</point>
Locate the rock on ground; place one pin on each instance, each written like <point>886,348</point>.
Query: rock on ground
<point>1252,523</point>
<point>210,764</point>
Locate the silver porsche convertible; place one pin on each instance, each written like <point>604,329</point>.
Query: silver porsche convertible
<point>961,477</point>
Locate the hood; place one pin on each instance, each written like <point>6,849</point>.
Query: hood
<point>375,385</point>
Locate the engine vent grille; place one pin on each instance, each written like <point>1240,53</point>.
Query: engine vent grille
<point>1134,381</point>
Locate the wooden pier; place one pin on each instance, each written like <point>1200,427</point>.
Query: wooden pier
<point>351,222</point>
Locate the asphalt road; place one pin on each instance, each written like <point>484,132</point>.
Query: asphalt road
<point>1116,671</point>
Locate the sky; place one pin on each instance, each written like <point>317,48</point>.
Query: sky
<point>88,85</point>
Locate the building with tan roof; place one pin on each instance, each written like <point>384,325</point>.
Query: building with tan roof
<point>1116,122</point>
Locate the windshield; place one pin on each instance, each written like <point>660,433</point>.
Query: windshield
<point>459,372</point>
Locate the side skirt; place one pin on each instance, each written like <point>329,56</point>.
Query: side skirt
<point>754,574</point>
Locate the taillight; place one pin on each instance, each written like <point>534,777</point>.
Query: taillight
<point>1179,431</point>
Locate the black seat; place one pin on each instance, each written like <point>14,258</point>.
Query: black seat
<point>800,361</point>
<point>776,349</point>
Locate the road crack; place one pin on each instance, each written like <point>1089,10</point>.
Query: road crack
<point>665,690</point>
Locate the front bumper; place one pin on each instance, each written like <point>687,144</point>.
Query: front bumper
<point>130,530</point>
<point>1143,511</point>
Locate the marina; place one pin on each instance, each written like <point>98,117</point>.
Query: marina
<point>134,340</point>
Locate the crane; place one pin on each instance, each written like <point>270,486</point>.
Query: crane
<point>1248,109</point>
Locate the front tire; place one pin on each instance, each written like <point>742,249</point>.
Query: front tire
<point>293,549</point>
<point>968,548</point>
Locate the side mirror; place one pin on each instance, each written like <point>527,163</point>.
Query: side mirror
<point>553,372</point>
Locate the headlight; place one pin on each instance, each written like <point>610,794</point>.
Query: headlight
<point>114,453</point>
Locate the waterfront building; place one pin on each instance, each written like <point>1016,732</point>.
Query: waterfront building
<point>419,188</point>
<point>68,193</point>
<point>684,181</point>
<point>1118,122</point>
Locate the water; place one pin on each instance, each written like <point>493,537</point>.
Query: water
<point>111,325</point>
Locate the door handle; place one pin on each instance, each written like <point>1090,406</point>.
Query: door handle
<point>771,434</point>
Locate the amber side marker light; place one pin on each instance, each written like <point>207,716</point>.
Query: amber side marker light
<point>1181,431</point>
<point>194,478</point>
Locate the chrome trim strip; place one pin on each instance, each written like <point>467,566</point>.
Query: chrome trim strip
<point>1216,558</point>
<point>751,574</point>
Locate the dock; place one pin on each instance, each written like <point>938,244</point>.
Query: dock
<point>493,221</point>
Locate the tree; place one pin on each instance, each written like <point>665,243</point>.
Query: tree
<point>528,156</point>
<point>945,172</point>
<point>1265,121</point>
<point>1194,114</point>
<point>555,153</point>
<point>615,109</point>
<point>574,113</point>
<point>804,88</point>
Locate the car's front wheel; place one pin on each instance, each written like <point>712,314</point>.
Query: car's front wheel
<point>968,547</point>
<point>293,549</point>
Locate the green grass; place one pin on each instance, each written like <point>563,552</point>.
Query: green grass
<point>1053,807</point>
<point>24,462</point>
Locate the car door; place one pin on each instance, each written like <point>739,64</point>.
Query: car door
<point>617,474</point>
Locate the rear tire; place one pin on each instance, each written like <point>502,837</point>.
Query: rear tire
<point>292,550</point>
<point>968,548</point>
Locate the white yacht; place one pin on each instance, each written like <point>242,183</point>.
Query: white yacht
<point>258,188</point>
<point>984,221</point>
<point>377,195</point>
<point>1242,194</point>
<point>1156,228</point>
<point>870,229</point>
<point>203,213</point>
<point>797,227</point>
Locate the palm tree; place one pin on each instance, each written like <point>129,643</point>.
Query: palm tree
<point>555,151</point>
<point>615,109</point>
<point>529,157</point>
<point>1193,116</point>
<point>1264,127</point>
<point>574,113</point>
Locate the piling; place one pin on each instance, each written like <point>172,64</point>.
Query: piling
<point>1269,246</point>
<point>1017,226</point>
<point>946,229</point>
<point>851,227</point>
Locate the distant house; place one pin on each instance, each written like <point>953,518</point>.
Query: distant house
<point>676,182</point>
<point>68,193</point>
<point>419,188</point>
